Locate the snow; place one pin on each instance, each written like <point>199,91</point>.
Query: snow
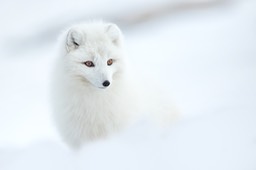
<point>204,59</point>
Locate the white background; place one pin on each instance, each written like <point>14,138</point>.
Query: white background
<point>204,58</point>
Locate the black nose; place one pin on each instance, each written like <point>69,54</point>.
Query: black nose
<point>106,83</point>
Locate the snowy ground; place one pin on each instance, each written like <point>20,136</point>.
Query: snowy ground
<point>205,59</point>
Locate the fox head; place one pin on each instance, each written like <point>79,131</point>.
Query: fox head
<point>94,53</point>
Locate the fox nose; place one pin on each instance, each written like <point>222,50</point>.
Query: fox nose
<point>106,83</point>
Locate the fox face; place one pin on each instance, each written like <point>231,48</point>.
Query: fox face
<point>94,53</point>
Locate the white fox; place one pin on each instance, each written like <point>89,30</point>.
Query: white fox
<point>92,94</point>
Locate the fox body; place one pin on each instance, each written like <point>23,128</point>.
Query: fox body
<point>92,93</point>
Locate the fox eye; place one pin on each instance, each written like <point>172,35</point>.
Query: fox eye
<point>110,62</point>
<point>89,64</point>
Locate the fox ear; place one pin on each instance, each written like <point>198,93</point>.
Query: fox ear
<point>73,40</point>
<point>114,33</point>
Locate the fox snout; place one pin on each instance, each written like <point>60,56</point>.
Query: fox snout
<point>106,83</point>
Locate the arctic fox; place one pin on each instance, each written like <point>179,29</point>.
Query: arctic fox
<point>92,95</point>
